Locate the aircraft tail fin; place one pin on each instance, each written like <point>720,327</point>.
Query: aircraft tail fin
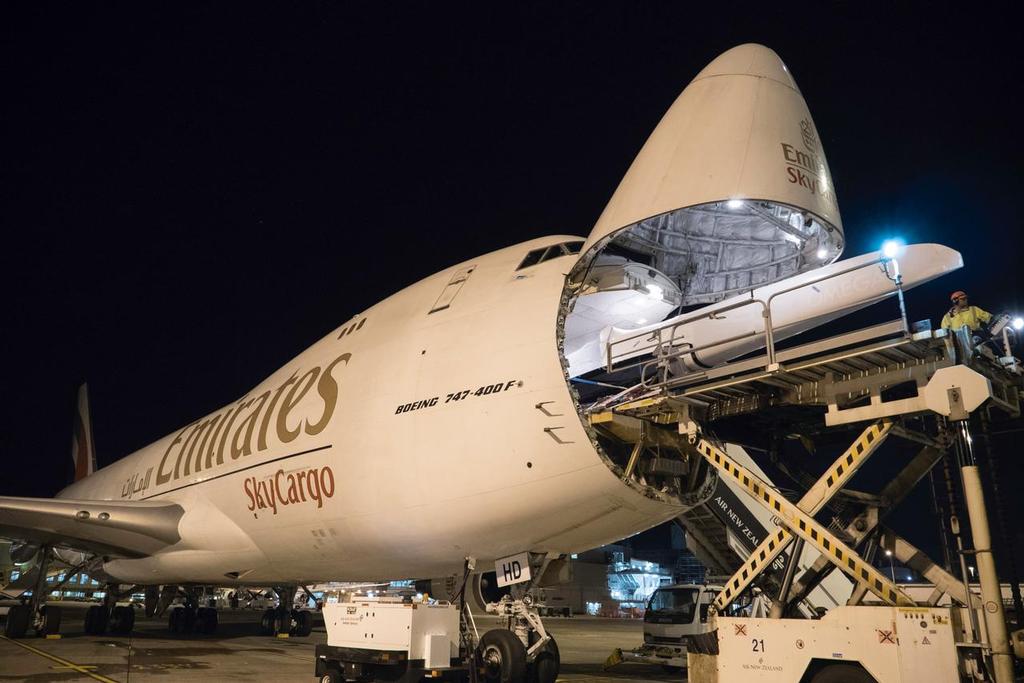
<point>83,449</point>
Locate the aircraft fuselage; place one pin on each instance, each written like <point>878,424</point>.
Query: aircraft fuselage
<point>436,425</point>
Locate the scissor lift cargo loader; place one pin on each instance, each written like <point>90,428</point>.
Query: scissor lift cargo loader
<point>850,376</point>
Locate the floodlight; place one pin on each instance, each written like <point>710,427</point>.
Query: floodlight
<point>891,248</point>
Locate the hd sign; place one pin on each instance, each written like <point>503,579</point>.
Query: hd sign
<point>512,569</point>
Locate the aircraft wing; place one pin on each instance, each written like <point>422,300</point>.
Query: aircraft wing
<point>123,528</point>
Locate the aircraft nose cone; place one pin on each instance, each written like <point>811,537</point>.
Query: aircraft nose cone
<point>750,59</point>
<point>739,131</point>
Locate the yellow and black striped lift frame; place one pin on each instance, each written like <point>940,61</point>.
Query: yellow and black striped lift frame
<point>798,519</point>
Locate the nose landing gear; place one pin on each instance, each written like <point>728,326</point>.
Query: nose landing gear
<point>522,651</point>
<point>501,656</point>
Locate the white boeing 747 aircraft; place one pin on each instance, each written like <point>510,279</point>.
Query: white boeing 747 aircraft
<point>448,421</point>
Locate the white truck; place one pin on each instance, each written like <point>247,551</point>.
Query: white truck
<point>674,613</point>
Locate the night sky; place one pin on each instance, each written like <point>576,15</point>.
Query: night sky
<point>196,193</point>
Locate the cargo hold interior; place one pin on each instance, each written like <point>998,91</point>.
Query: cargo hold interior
<point>669,265</point>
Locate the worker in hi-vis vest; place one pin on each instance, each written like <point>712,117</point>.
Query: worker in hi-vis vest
<point>963,313</point>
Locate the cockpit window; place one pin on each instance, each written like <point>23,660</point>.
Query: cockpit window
<point>572,247</point>
<point>547,253</point>
<point>532,259</point>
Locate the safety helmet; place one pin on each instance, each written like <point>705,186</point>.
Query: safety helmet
<point>957,294</point>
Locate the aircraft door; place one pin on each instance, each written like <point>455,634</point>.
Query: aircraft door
<point>453,287</point>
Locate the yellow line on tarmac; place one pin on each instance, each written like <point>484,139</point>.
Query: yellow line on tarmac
<point>71,665</point>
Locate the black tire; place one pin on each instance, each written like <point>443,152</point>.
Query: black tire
<point>188,619</point>
<point>842,673</point>
<point>18,618</point>
<point>173,620</point>
<point>96,618</point>
<point>502,657</point>
<point>49,620</point>
<point>282,621</point>
<point>129,619</point>
<point>199,626</point>
<point>547,663</point>
<point>122,620</point>
<point>268,622</point>
<point>206,620</point>
<point>180,620</point>
<point>303,623</point>
<point>331,677</point>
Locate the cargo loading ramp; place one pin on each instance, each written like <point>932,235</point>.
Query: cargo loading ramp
<point>874,372</point>
<point>842,373</point>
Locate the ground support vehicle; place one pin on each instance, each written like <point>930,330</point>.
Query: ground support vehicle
<point>849,645</point>
<point>395,641</point>
<point>673,614</point>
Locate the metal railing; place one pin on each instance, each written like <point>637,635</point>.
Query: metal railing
<point>668,349</point>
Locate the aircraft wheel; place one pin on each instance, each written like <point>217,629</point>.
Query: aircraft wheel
<point>502,657</point>
<point>18,618</point>
<point>546,664</point>
<point>181,619</point>
<point>303,623</point>
<point>174,620</point>
<point>188,619</point>
<point>206,620</point>
<point>268,622</point>
<point>282,621</point>
<point>96,618</point>
<point>122,619</point>
<point>48,621</point>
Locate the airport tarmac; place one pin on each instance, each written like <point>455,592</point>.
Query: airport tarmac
<point>239,653</point>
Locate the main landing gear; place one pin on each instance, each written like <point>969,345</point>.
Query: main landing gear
<point>44,620</point>
<point>110,617</point>
<point>285,619</point>
<point>187,617</point>
<point>35,613</point>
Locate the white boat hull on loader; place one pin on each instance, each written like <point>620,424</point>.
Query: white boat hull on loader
<point>797,304</point>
